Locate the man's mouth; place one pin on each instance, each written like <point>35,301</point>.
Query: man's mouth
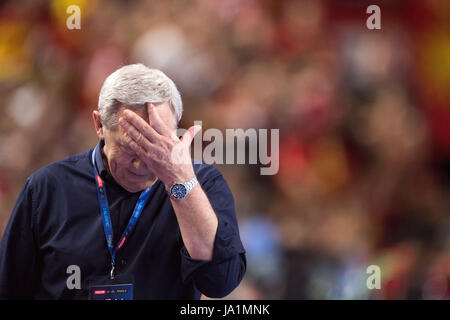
<point>139,175</point>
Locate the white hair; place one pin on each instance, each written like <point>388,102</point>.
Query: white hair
<point>133,85</point>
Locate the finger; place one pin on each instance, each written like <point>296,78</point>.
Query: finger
<point>157,123</point>
<point>136,136</point>
<point>146,156</point>
<point>140,124</point>
<point>190,134</point>
<point>140,152</point>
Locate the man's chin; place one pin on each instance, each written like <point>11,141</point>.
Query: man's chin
<point>134,184</point>
<point>136,187</point>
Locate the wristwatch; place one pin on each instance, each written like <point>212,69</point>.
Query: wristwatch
<point>179,190</point>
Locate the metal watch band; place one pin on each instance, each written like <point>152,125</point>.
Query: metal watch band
<point>189,185</point>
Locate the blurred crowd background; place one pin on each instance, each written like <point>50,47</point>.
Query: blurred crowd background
<point>364,119</point>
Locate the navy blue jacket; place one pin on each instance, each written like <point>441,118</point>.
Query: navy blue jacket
<point>56,223</point>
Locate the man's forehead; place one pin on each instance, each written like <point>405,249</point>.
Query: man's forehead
<point>139,109</point>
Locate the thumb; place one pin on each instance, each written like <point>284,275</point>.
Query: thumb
<point>189,135</point>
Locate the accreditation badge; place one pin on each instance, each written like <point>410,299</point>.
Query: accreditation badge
<point>105,288</point>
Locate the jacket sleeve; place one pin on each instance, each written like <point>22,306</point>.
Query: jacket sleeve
<point>18,250</point>
<point>218,277</point>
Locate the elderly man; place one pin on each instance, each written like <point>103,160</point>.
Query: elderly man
<point>133,218</point>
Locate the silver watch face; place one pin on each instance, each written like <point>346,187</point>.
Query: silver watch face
<point>178,191</point>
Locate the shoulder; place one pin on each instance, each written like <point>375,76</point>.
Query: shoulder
<point>211,180</point>
<point>61,170</point>
<point>204,171</point>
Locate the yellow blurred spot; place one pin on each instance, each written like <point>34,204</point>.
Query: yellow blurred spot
<point>14,58</point>
<point>329,163</point>
<point>435,64</point>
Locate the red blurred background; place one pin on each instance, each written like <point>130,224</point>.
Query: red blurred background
<point>364,119</point>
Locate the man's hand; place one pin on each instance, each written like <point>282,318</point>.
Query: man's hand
<point>157,145</point>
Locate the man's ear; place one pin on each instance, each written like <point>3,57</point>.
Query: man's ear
<point>98,124</point>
